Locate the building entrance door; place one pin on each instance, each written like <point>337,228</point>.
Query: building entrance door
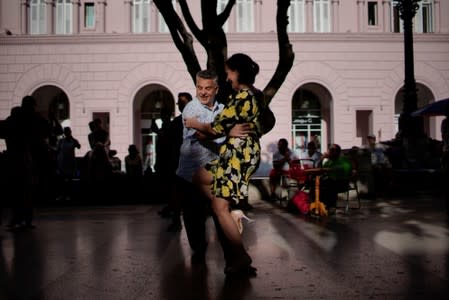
<point>306,121</point>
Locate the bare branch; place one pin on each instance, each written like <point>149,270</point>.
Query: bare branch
<point>286,54</point>
<point>224,15</point>
<point>190,21</point>
<point>181,37</point>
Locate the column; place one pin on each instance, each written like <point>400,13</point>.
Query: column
<point>361,15</point>
<point>101,18</point>
<point>76,16</point>
<point>50,17</point>
<point>335,15</point>
<point>128,14</point>
<point>309,15</point>
<point>24,6</point>
<point>386,9</point>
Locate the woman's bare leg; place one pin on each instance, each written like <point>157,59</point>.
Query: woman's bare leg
<point>220,206</point>
<point>238,260</point>
<point>203,179</point>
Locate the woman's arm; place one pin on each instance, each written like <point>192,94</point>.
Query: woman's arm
<point>204,128</point>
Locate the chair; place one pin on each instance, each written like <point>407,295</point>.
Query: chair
<point>352,186</point>
<point>293,179</point>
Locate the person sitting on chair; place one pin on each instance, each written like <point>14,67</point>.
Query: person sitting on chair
<point>313,153</point>
<point>334,178</point>
<point>281,161</point>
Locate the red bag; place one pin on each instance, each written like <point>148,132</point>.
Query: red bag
<point>301,201</point>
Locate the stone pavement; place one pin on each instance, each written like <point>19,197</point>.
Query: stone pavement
<point>395,248</point>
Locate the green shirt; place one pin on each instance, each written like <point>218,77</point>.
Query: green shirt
<point>341,168</point>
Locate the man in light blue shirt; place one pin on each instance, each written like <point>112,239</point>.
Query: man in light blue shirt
<point>195,152</point>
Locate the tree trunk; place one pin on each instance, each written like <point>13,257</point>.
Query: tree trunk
<point>213,39</point>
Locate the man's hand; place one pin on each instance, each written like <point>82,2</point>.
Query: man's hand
<point>241,130</point>
<point>191,123</point>
<point>200,136</point>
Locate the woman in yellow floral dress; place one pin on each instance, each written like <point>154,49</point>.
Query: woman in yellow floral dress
<point>225,180</point>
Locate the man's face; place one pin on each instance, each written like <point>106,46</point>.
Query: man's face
<point>206,90</point>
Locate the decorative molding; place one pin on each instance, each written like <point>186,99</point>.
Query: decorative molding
<point>260,37</point>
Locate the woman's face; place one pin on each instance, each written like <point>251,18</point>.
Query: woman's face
<point>232,77</point>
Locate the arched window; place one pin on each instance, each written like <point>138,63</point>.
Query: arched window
<point>306,120</point>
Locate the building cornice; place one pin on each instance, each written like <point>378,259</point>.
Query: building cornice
<point>236,37</point>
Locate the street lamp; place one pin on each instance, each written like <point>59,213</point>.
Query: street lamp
<point>408,126</point>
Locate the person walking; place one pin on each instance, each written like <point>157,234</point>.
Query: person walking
<point>225,180</point>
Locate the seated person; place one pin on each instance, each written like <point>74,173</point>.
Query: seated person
<point>313,153</point>
<point>335,172</point>
<point>281,161</point>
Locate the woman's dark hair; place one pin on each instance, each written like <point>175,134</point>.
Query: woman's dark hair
<point>245,66</point>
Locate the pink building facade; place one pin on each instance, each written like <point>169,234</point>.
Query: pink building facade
<point>115,60</point>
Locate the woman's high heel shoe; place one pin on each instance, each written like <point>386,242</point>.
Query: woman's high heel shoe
<point>238,215</point>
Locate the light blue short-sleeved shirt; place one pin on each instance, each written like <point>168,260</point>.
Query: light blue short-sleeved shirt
<point>194,153</point>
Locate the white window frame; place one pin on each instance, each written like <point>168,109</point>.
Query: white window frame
<point>296,16</point>
<point>141,16</point>
<point>419,17</point>
<point>64,15</point>
<point>221,5</point>
<point>322,16</point>
<point>38,17</point>
<point>245,15</point>
<point>425,11</point>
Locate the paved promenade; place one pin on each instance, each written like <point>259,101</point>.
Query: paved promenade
<point>396,248</point>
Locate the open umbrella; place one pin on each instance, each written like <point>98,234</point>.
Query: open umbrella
<point>436,108</point>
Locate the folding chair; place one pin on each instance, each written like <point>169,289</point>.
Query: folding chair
<point>352,186</point>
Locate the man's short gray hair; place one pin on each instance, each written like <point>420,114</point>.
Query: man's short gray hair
<point>208,74</point>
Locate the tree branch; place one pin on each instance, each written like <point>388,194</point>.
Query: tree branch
<point>181,37</point>
<point>190,21</point>
<point>286,54</point>
<point>224,15</point>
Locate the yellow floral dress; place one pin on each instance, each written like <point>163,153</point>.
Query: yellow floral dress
<point>238,157</point>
